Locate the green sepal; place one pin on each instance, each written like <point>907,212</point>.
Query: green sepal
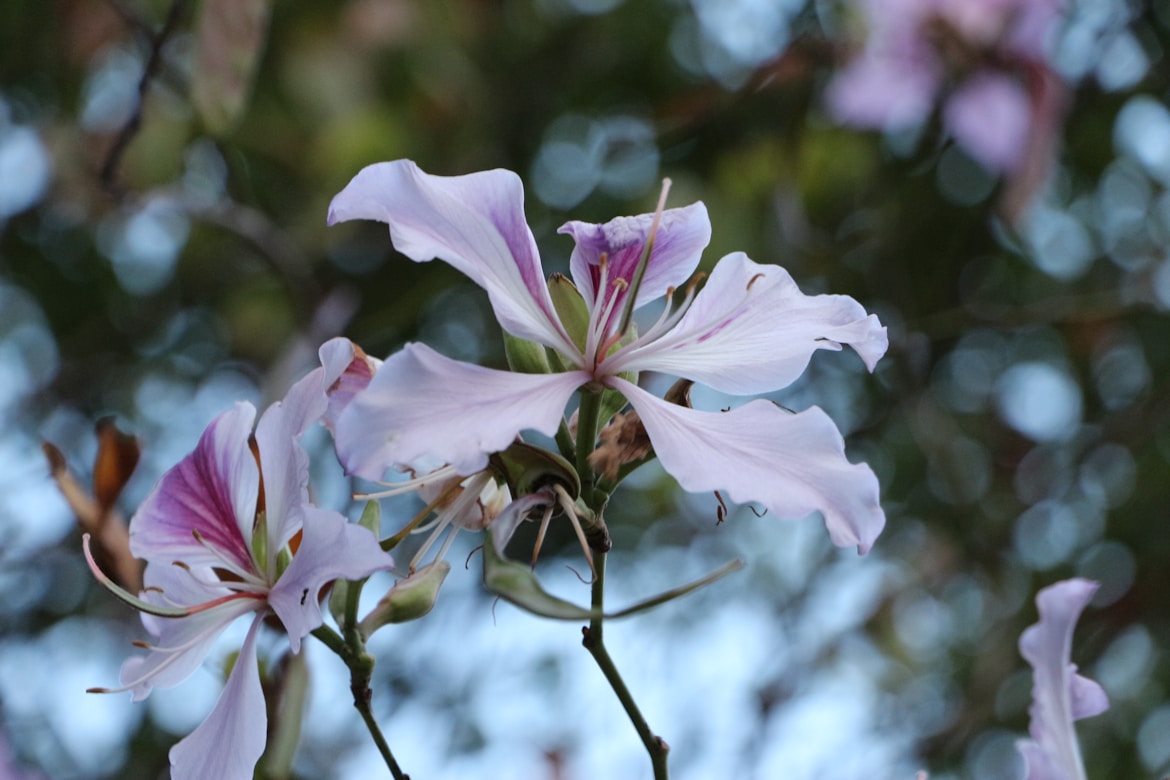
<point>571,308</point>
<point>516,583</point>
<point>371,518</point>
<point>260,540</point>
<point>337,599</point>
<point>525,357</point>
<point>408,600</point>
<point>526,468</point>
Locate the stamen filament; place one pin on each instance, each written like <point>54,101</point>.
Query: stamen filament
<point>410,485</point>
<point>544,520</point>
<point>246,575</point>
<point>567,504</point>
<point>644,261</point>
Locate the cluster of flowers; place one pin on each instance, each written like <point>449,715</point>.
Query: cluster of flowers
<point>232,530</point>
<point>986,65</point>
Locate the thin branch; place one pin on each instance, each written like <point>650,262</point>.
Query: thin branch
<point>154,61</point>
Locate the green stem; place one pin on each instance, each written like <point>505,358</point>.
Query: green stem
<point>594,642</point>
<point>361,668</point>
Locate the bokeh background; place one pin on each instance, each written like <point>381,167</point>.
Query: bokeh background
<point>163,257</point>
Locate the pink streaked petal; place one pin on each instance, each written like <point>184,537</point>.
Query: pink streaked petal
<point>330,549</point>
<point>1059,695</point>
<point>421,404</point>
<point>682,236</point>
<point>183,643</point>
<point>751,330</point>
<point>989,116</point>
<point>213,491</point>
<point>474,222</point>
<point>792,464</point>
<point>348,370</point>
<point>227,745</point>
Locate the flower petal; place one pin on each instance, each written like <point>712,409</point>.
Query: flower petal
<point>793,464</point>
<point>182,643</point>
<point>348,370</point>
<point>474,222</point>
<point>227,745</point>
<point>330,549</point>
<point>1059,695</point>
<point>284,464</point>
<point>751,330</point>
<point>421,404</point>
<point>989,115</point>
<point>682,236</point>
<point>213,491</point>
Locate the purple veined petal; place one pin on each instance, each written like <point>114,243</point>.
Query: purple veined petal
<point>348,370</point>
<point>682,236</point>
<point>183,642</point>
<point>989,116</point>
<point>227,745</point>
<point>330,549</point>
<point>213,491</point>
<point>421,404</point>
<point>751,330</point>
<point>1059,695</point>
<point>474,222</point>
<point>792,464</point>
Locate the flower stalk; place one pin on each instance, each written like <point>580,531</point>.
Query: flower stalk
<point>593,640</point>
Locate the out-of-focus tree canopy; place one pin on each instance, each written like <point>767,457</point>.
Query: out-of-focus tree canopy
<point>165,170</point>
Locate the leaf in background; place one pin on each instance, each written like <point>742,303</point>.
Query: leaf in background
<point>117,456</point>
<point>230,38</point>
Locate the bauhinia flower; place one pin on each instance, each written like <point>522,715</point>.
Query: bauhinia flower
<point>1004,100</point>
<point>230,531</point>
<point>748,331</point>
<point>452,500</point>
<point>1059,695</point>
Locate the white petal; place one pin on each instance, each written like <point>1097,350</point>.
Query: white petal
<point>751,330</point>
<point>421,404</point>
<point>330,549</point>
<point>474,222</point>
<point>227,745</point>
<point>1059,695</point>
<point>793,464</point>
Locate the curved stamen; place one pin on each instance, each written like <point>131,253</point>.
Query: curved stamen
<point>643,261</point>
<point>566,502</point>
<point>598,314</point>
<point>174,653</point>
<point>544,519</point>
<point>656,335</point>
<point>244,586</point>
<point>410,485</point>
<point>229,565</point>
<point>124,595</point>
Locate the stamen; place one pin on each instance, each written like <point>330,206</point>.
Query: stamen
<point>245,575</point>
<point>664,326</point>
<point>124,595</point>
<point>544,520</point>
<point>174,654</point>
<point>410,485</point>
<point>644,261</point>
<point>567,504</point>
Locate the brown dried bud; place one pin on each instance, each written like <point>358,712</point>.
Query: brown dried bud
<point>623,441</point>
